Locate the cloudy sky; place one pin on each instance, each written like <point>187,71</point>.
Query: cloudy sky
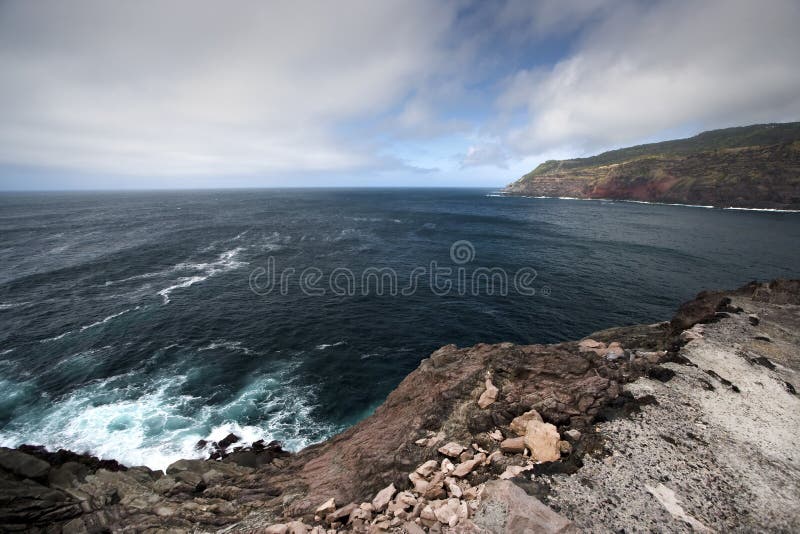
<point>111,94</point>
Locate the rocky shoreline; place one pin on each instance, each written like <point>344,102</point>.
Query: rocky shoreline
<point>688,425</point>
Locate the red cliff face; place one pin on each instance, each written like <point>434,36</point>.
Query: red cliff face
<point>748,177</point>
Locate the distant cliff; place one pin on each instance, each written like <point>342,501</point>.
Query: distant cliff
<point>749,167</point>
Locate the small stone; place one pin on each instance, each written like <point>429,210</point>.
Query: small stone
<point>564,447</point>
<point>466,455</point>
<point>465,468</point>
<point>489,396</point>
<point>297,527</point>
<point>542,440</point>
<point>754,319</point>
<point>513,471</point>
<point>513,445</point>
<point>496,455</point>
<point>427,468</point>
<point>590,344</point>
<point>326,507</point>
<point>427,513</point>
<point>447,466</point>
<point>614,352</point>
<point>447,514</point>
<point>406,500</point>
<point>341,514</point>
<point>520,424</point>
<point>384,496</point>
<point>452,449</point>
<point>164,511</point>
<point>279,528</point>
<point>496,435</point>
<point>454,490</point>
<point>420,484</point>
<point>412,528</point>
<point>573,433</point>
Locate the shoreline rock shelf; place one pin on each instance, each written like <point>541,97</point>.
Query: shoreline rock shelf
<point>672,426</point>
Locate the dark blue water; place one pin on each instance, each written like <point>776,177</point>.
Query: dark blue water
<point>128,326</point>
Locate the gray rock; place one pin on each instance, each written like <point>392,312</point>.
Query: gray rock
<point>506,508</point>
<point>22,464</point>
<point>67,475</point>
<point>29,503</point>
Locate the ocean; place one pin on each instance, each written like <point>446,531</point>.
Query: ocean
<point>133,324</point>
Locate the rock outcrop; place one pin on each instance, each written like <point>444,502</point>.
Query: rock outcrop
<point>630,429</point>
<point>749,167</point>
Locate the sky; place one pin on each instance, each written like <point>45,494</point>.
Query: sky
<point>107,94</point>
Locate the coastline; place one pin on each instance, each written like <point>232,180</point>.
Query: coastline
<point>502,193</point>
<point>647,421</point>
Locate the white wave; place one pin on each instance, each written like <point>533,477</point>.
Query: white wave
<point>240,235</point>
<point>107,319</point>
<point>230,345</point>
<point>135,277</point>
<point>327,345</point>
<point>618,200</point>
<point>11,305</point>
<point>7,351</point>
<point>374,219</point>
<point>182,283</point>
<point>159,426</point>
<point>762,209</point>
<point>225,262</point>
<point>56,338</point>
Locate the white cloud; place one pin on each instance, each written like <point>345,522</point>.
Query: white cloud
<point>205,87</point>
<point>647,68</point>
<point>486,154</point>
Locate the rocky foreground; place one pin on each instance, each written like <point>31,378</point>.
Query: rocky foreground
<point>679,426</point>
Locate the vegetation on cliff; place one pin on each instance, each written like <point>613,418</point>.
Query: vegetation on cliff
<point>750,167</point>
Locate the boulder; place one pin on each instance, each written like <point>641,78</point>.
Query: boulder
<point>326,507</point>
<point>427,468</point>
<point>384,496</point>
<point>506,508</point>
<point>542,440</point>
<point>489,396</point>
<point>519,424</point>
<point>452,449</point>
<point>227,441</point>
